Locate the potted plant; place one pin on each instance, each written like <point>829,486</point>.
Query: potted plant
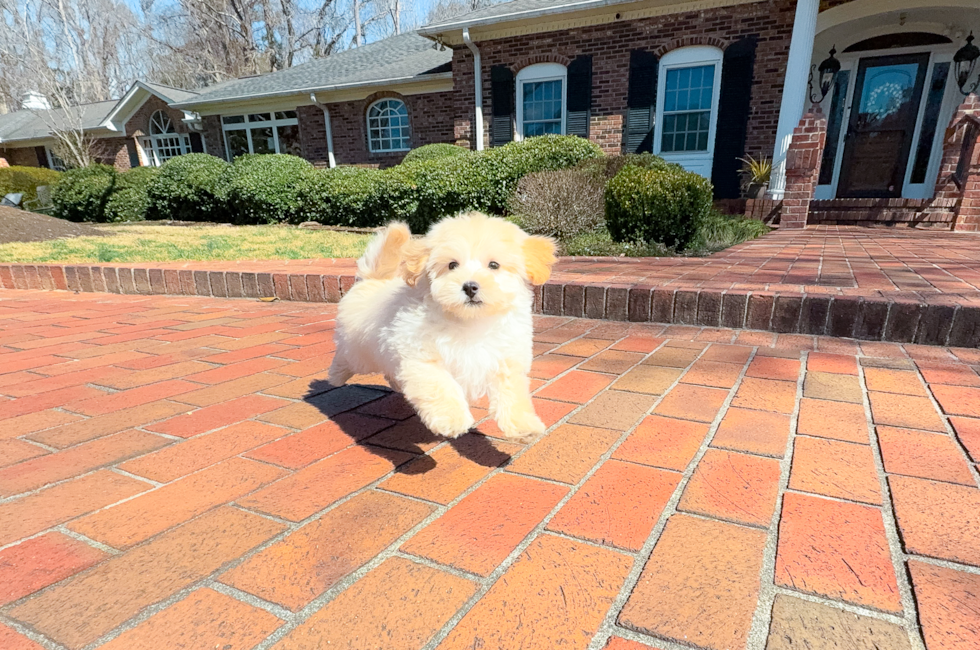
<point>755,177</point>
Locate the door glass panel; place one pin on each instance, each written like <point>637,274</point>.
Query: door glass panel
<point>934,102</point>
<point>289,140</point>
<point>262,141</point>
<point>237,143</point>
<point>834,124</point>
<point>881,126</point>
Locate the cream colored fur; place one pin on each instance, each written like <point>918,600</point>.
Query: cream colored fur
<point>410,319</point>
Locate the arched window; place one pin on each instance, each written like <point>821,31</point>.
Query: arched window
<point>164,142</point>
<point>687,107</point>
<point>388,128</point>
<point>541,92</point>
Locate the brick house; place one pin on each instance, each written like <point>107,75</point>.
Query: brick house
<point>140,129</point>
<point>699,82</point>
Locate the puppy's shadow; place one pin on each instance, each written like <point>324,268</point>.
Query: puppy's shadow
<point>382,422</point>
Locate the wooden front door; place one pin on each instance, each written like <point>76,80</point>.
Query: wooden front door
<point>884,110</point>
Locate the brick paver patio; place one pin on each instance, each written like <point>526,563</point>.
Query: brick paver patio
<point>176,473</point>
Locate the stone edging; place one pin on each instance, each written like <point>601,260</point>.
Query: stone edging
<point>871,318</point>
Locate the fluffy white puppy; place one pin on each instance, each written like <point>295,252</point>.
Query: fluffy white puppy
<point>447,320</point>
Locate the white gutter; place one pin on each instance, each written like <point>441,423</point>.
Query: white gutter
<point>331,162</point>
<point>478,87</point>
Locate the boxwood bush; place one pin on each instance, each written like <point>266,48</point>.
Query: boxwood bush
<point>355,196</point>
<point>190,188</point>
<point>129,199</point>
<point>434,152</point>
<point>607,167</point>
<point>664,206</point>
<point>81,194</point>
<point>25,180</point>
<point>265,188</point>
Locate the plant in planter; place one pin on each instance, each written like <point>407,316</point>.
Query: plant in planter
<point>755,177</point>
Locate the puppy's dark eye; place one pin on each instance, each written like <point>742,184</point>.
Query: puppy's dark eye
<point>453,265</point>
<point>493,266</point>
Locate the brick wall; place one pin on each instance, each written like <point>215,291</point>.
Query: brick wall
<point>429,114</point>
<point>802,167</point>
<point>23,156</point>
<point>139,123</point>
<point>610,45</point>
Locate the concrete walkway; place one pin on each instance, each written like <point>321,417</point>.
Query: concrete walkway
<point>176,473</point>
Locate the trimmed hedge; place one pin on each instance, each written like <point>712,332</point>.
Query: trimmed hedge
<point>664,206</point>
<point>191,187</point>
<point>355,196</point>
<point>607,167</point>
<point>129,200</point>
<point>434,152</point>
<point>265,188</point>
<point>81,194</point>
<point>25,180</point>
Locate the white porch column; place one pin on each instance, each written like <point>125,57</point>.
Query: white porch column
<point>794,89</point>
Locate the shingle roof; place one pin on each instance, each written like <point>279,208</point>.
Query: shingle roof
<point>28,124</point>
<point>401,57</point>
<point>169,93</point>
<point>514,11</point>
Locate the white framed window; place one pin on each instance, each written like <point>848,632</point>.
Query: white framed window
<point>388,128</point>
<point>541,92</point>
<point>164,142</point>
<point>688,85</point>
<point>273,132</point>
<point>54,161</point>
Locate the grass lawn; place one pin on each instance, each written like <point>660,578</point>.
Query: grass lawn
<point>158,243</point>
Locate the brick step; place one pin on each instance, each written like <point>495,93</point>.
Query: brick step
<point>948,321</point>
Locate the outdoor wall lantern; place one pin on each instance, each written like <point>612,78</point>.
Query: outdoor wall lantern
<point>828,69</point>
<point>965,61</point>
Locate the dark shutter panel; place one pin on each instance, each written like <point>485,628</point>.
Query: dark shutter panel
<point>579,97</point>
<point>134,157</point>
<point>733,116</point>
<point>641,102</point>
<point>502,98</point>
<point>42,157</point>
<point>197,144</point>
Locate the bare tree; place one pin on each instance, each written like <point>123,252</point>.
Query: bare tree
<point>446,9</point>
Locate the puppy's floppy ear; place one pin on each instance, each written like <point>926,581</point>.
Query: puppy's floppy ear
<point>539,256</point>
<point>415,255</point>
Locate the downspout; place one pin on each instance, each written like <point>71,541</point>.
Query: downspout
<point>331,162</point>
<point>478,87</point>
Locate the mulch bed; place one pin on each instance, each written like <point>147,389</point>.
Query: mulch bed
<point>21,226</point>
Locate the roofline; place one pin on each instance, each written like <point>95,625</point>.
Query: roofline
<point>97,131</point>
<point>313,89</point>
<point>434,30</point>
<point>109,122</point>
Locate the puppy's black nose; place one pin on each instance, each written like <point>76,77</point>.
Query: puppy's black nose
<point>470,288</point>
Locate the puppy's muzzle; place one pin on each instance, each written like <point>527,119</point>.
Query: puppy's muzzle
<point>471,289</point>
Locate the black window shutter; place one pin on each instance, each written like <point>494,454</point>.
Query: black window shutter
<point>502,98</point>
<point>42,157</point>
<point>197,145</point>
<point>641,102</point>
<point>579,97</point>
<point>734,102</point>
<point>134,157</point>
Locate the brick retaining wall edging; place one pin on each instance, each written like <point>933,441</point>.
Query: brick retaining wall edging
<point>864,318</point>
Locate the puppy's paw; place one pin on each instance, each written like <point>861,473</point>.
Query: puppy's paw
<point>449,422</point>
<point>522,427</point>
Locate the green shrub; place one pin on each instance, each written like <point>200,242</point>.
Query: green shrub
<point>81,193</point>
<point>657,205</point>
<point>559,204</point>
<point>608,166</point>
<point>25,180</point>
<point>720,231</point>
<point>265,188</point>
<point>191,187</point>
<point>354,196</point>
<point>129,200</point>
<point>434,152</point>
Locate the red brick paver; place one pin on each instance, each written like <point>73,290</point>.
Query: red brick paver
<point>176,472</point>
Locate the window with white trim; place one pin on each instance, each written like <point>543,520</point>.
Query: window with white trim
<point>688,84</point>
<point>273,132</point>
<point>388,127</point>
<point>164,142</point>
<point>54,160</point>
<point>541,92</point>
